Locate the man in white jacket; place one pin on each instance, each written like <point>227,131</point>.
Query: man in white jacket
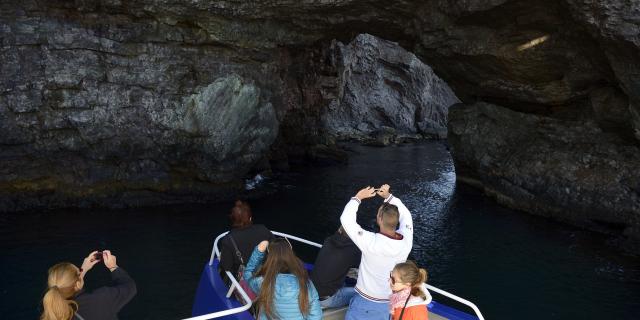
<point>380,251</point>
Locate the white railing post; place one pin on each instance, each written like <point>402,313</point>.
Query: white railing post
<point>245,297</point>
<point>233,287</point>
<point>288,236</point>
<point>456,298</point>
<point>215,251</point>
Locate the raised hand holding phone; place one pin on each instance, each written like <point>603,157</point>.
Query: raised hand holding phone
<point>88,263</point>
<point>97,255</point>
<point>109,260</point>
<point>383,191</point>
<point>366,193</point>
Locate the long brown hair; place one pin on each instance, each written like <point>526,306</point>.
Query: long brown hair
<point>62,286</point>
<point>281,259</point>
<point>410,273</point>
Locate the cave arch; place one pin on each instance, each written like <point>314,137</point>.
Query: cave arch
<point>97,93</point>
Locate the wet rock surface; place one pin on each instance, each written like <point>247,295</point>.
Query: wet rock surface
<point>568,170</point>
<point>109,101</point>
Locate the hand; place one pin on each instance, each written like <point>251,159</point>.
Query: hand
<point>109,260</point>
<point>262,246</point>
<point>366,193</point>
<point>88,263</point>
<point>383,191</point>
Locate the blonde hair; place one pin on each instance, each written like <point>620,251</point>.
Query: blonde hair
<point>57,301</point>
<point>410,273</point>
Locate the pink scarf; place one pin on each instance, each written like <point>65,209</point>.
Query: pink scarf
<point>398,299</point>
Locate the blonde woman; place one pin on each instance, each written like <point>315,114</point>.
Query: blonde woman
<point>65,298</point>
<point>410,296</point>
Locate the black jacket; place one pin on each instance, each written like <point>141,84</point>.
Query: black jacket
<point>246,239</point>
<point>105,302</point>
<point>337,256</point>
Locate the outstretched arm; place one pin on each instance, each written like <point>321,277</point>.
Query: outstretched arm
<point>348,220</point>
<point>122,288</point>
<point>254,262</point>
<point>405,223</point>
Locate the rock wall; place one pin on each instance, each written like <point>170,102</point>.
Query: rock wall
<point>113,109</point>
<point>381,85</point>
<point>570,170</point>
<point>112,99</point>
<point>112,104</point>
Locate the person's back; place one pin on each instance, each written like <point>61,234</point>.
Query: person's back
<point>245,236</point>
<point>337,255</point>
<point>379,255</point>
<point>380,251</point>
<point>105,302</point>
<point>283,288</point>
<point>286,296</point>
<point>65,298</point>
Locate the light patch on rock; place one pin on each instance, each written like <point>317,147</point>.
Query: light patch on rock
<point>233,119</point>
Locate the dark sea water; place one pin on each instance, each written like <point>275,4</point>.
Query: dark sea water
<point>512,265</point>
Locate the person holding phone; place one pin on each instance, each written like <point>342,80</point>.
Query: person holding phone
<point>66,299</point>
<point>381,251</point>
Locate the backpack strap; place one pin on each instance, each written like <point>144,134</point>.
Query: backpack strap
<point>405,306</point>
<point>235,246</point>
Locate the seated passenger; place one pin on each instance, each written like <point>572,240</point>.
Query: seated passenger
<point>281,282</point>
<point>410,296</point>
<point>337,256</point>
<point>244,234</point>
<point>66,299</point>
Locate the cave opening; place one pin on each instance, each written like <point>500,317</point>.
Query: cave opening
<point>162,109</point>
<point>369,91</point>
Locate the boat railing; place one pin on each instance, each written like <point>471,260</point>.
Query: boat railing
<point>236,286</point>
<point>456,298</point>
<point>219,314</point>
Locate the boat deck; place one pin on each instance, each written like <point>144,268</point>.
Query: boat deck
<point>209,299</point>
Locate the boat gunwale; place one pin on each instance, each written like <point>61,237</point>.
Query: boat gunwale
<point>248,303</point>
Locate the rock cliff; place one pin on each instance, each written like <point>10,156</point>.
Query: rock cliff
<point>136,101</point>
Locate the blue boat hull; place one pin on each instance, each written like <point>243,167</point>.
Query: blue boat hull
<point>211,297</point>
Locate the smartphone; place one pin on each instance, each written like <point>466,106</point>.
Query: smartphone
<point>97,255</point>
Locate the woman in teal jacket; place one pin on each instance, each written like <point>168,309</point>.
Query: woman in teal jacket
<point>279,282</point>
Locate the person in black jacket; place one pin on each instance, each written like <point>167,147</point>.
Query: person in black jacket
<point>337,256</point>
<point>66,299</point>
<point>244,234</point>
